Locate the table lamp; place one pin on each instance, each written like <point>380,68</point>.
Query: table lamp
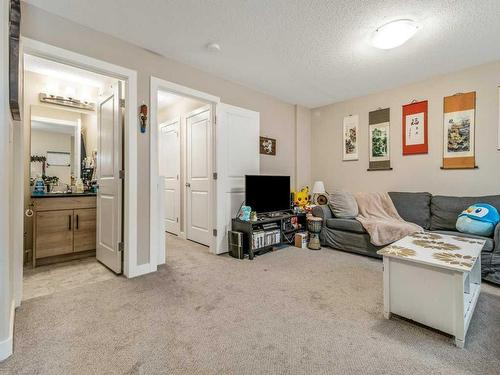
<point>319,193</point>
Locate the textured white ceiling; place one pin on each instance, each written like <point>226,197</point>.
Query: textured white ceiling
<point>310,52</point>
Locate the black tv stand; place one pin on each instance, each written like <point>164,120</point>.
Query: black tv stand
<point>264,224</point>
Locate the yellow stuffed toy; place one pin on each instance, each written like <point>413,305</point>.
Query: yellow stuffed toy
<point>301,198</point>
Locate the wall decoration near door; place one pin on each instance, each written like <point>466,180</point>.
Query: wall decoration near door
<point>415,133</point>
<point>350,137</point>
<point>267,146</point>
<point>458,131</point>
<point>379,140</point>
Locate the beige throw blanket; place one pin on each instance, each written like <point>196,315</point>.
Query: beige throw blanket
<point>380,219</point>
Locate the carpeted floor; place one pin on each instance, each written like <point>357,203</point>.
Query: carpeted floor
<point>294,311</point>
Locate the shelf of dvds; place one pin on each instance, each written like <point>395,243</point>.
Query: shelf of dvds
<point>266,233</point>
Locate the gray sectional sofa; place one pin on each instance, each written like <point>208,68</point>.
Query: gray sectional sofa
<point>434,213</point>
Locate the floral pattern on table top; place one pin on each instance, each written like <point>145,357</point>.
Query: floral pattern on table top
<point>457,259</point>
<point>467,239</point>
<point>436,245</point>
<point>397,250</point>
<point>426,236</point>
<point>443,250</point>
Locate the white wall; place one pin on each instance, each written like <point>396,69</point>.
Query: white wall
<point>303,147</point>
<point>415,172</point>
<point>277,118</point>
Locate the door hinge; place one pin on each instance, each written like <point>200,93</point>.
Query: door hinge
<point>215,175</point>
<point>121,174</point>
<point>177,219</point>
<point>122,103</point>
<point>215,119</point>
<point>121,246</point>
<point>215,232</point>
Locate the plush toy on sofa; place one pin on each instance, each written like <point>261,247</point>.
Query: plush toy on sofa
<point>479,219</point>
<point>301,198</point>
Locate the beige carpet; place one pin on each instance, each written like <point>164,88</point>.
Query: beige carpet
<point>289,312</point>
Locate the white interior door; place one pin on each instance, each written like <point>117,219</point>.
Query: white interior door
<point>170,169</point>
<point>198,169</point>
<point>237,145</point>
<point>109,164</point>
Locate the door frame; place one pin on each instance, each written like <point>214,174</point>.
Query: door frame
<point>56,54</point>
<point>156,237</point>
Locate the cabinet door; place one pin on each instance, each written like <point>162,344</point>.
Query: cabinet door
<point>54,233</point>
<point>85,229</point>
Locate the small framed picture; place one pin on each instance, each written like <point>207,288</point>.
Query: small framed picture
<point>267,146</point>
<point>350,131</point>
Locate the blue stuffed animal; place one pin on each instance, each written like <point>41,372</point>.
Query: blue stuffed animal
<point>479,219</point>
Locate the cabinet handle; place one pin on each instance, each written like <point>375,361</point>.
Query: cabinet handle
<point>77,221</point>
<point>69,226</point>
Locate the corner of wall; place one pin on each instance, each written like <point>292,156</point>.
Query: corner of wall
<point>7,345</point>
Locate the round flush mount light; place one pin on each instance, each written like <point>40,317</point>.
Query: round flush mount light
<point>394,34</point>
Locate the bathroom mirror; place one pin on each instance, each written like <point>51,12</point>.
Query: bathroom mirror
<point>62,142</point>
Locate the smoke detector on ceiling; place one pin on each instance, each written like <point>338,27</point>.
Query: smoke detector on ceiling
<point>213,47</point>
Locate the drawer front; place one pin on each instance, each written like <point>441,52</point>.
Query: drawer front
<point>54,233</point>
<point>85,229</point>
<point>46,204</point>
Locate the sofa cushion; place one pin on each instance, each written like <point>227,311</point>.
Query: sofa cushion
<point>349,225</point>
<point>413,207</point>
<point>445,210</point>
<point>343,205</point>
<point>488,246</point>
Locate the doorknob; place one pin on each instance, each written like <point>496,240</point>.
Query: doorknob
<point>188,184</point>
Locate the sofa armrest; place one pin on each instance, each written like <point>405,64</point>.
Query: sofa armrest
<point>496,238</point>
<point>323,212</point>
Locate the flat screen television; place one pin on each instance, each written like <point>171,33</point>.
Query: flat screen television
<point>265,194</point>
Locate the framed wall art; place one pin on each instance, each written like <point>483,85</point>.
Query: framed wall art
<point>267,146</point>
<point>350,131</point>
<point>458,131</point>
<point>379,140</point>
<point>415,133</point>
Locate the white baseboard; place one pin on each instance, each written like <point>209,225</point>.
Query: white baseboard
<point>6,345</point>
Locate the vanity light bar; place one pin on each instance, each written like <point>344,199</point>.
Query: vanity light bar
<point>66,101</point>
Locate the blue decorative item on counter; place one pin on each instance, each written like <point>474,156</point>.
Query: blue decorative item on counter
<point>480,219</point>
<point>39,186</point>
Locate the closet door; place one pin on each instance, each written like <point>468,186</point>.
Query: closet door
<point>170,169</point>
<point>237,144</point>
<point>198,159</point>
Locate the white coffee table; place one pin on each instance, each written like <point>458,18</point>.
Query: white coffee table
<point>433,279</point>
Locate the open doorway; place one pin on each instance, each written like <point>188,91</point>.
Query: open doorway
<point>184,165</point>
<point>221,145</point>
<point>73,155</point>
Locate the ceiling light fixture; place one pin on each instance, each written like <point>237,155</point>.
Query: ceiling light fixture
<point>394,33</point>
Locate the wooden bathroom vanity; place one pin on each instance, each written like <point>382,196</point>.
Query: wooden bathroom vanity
<point>64,227</point>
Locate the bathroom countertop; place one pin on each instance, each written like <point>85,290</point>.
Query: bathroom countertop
<point>63,195</point>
